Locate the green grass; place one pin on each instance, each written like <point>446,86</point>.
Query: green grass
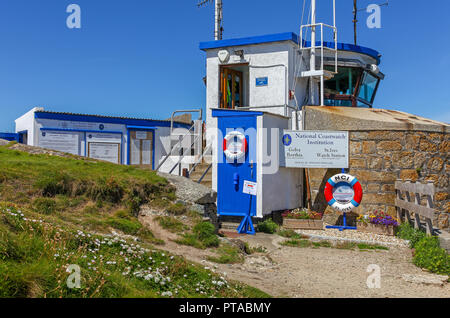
<point>228,254</point>
<point>202,236</point>
<point>364,246</point>
<point>171,224</point>
<point>297,243</point>
<point>58,211</point>
<point>291,234</point>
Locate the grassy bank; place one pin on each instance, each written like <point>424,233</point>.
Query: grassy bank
<point>57,212</point>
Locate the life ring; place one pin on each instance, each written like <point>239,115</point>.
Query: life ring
<point>345,205</point>
<point>237,152</point>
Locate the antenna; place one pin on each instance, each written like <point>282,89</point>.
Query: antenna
<point>218,30</point>
<point>355,15</point>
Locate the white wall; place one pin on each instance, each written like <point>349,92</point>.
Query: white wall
<point>278,188</point>
<point>26,122</point>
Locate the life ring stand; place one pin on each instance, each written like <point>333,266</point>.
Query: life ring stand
<point>353,183</point>
<point>239,154</point>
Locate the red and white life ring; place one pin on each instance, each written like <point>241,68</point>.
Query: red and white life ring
<point>237,151</point>
<point>338,181</point>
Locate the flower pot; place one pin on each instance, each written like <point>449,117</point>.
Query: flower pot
<point>376,228</point>
<point>298,224</point>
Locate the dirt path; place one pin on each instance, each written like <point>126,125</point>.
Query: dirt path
<point>306,272</point>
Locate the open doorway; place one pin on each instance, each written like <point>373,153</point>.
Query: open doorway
<point>233,86</point>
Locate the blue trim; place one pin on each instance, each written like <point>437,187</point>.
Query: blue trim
<point>234,113</point>
<point>153,149</point>
<point>331,202</point>
<point>330,181</point>
<point>128,147</point>
<point>83,130</point>
<point>10,136</point>
<point>356,204</point>
<point>287,36</point>
<point>107,120</point>
<point>355,181</point>
<point>141,128</point>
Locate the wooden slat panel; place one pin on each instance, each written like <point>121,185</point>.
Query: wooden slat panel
<point>421,210</point>
<point>426,189</point>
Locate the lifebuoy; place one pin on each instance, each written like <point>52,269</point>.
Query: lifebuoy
<point>237,152</point>
<point>342,180</point>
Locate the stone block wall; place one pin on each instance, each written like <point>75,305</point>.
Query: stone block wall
<point>380,157</point>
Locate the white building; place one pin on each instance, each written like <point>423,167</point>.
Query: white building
<point>120,140</point>
<point>258,83</point>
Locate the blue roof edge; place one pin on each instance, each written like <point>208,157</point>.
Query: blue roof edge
<point>286,36</point>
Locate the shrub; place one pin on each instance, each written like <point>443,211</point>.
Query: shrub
<point>126,226</point>
<point>407,232</point>
<point>171,224</point>
<point>431,256</point>
<point>44,205</point>
<point>203,236</point>
<point>228,254</point>
<point>268,226</point>
<point>53,184</point>
<point>108,190</point>
<point>297,243</point>
<point>292,234</point>
<point>206,233</point>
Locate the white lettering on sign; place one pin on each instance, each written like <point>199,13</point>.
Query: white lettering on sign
<point>250,187</point>
<point>315,149</point>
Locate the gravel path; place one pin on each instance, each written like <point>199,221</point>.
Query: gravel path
<point>355,236</point>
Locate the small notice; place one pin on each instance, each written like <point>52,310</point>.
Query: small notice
<point>141,135</point>
<point>105,151</point>
<point>250,187</point>
<point>262,81</point>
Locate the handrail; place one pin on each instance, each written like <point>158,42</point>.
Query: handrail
<point>183,155</point>
<point>172,148</point>
<point>205,173</point>
<point>200,159</point>
<point>200,111</point>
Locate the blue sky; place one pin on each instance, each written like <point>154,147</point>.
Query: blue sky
<point>141,58</point>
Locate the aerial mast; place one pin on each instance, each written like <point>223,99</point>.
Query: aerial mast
<point>218,21</point>
<point>355,18</point>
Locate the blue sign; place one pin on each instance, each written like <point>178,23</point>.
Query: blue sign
<point>287,140</point>
<point>262,81</point>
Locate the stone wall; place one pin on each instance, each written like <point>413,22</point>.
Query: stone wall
<point>380,157</point>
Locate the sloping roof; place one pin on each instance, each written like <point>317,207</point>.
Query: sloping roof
<point>110,119</point>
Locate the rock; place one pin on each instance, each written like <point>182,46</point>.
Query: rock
<point>3,142</point>
<point>425,279</point>
<point>190,191</point>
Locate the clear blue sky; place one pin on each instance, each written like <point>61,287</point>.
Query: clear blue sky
<point>141,58</point>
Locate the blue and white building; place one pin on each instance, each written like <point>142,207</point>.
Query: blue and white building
<point>120,140</point>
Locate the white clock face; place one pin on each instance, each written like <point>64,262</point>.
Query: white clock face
<point>224,56</point>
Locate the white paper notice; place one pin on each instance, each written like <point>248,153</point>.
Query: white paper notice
<point>315,149</point>
<point>104,151</point>
<point>65,142</point>
<point>250,187</point>
<point>141,135</point>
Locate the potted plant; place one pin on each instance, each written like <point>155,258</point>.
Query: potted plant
<point>377,222</point>
<point>302,219</point>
